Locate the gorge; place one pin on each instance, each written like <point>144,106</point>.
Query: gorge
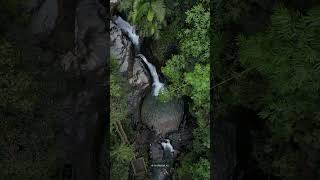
<point>157,118</point>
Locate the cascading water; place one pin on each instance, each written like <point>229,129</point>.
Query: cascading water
<point>127,29</point>
<point>157,85</point>
<point>130,31</point>
<point>167,148</point>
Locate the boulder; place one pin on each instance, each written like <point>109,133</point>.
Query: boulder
<point>162,117</point>
<point>139,79</point>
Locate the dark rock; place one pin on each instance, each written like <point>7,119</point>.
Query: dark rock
<point>156,152</point>
<point>162,117</point>
<point>91,37</point>
<point>181,139</point>
<point>121,47</point>
<point>138,77</point>
<point>44,20</point>
<point>32,5</point>
<point>83,108</point>
<point>113,5</point>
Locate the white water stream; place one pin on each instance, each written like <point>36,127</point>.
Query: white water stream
<point>157,86</point>
<point>130,31</point>
<point>167,146</point>
<point>127,29</point>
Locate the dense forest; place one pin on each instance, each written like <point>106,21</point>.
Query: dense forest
<point>266,69</point>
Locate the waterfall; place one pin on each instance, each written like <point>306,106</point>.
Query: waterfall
<point>130,31</point>
<point>167,146</point>
<point>157,85</point>
<point>127,29</point>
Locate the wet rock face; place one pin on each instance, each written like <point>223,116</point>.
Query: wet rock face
<point>139,76</point>
<point>139,79</point>
<point>121,47</point>
<point>122,50</point>
<point>162,117</point>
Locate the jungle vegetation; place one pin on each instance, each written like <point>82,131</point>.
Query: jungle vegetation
<point>189,74</point>
<point>269,63</point>
<point>121,151</point>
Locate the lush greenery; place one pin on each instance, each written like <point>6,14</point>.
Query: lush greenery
<point>287,56</point>
<point>189,75</point>
<point>121,153</point>
<point>275,72</point>
<point>148,15</point>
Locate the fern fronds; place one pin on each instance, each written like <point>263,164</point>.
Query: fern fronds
<point>159,9</point>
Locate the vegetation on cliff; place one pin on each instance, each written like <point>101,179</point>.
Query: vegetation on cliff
<point>121,153</point>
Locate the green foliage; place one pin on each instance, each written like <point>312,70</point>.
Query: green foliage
<point>198,171</point>
<point>121,157</point>
<point>197,43</point>
<point>165,46</point>
<point>189,75</point>
<point>229,11</point>
<point>118,94</point>
<point>287,57</point>
<point>198,79</point>
<point>121,154</point>
<point>192,63</point>
<point>148,15</point>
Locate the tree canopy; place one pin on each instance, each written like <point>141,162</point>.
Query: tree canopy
<point>188,73</point>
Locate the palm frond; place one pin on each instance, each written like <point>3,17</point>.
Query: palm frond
<point>159,9</point>
<point>140,8</point>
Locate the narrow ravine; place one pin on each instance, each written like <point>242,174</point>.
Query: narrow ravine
<point>130,31</point>
<point>158,171</point>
